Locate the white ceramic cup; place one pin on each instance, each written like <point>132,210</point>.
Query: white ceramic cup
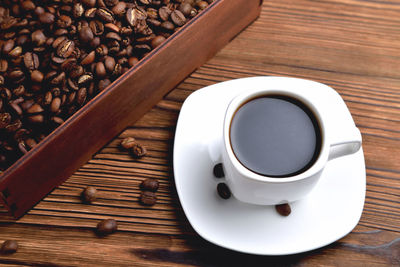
<point>250,187</point>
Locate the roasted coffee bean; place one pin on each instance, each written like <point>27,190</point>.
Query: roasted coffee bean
<point>128,143</point>
<point>78,10</point>
<point>113,36</point>
<point>149,184</point>
<point>57,120</point>
<point>58,41</point>
<point>48,97</point>
<point>112,27</point>
<point>132,61</point>
<point>89,58</point>
<point>47,18</point>
<point>37,76</point>
<point>5,119</point>
<point>18,91</point>
<point>164,13</point>
<point>185,8</point>
<point>223,191</point>
<point>218,170</point>
<point>89,3</point>
<point>111,3</point>
<point>66,48</point>
<point>97,27</point>
<point>85,78</point>
<point>17,76</point>
<point>8,46</point>
<point>85,34</point>
<point>15,52</point>
<point>202,5</point>
<point>9,247</point>
<point>81,96</point>
<point>109,63</point>
<point>148,198</point>
<point>157,41</point>
<point>283,209</point>
<point>3,65</point>
<point>16,108</point>
<point>178,18</point>
<point>28,5</point>
<point>131,16</point>
<point>31,61</point>
<point>168,26</point>
<point>1,80</point>
<point>119,8</point>
<point>103,84</point>
<point>100,70</point>
<point>14,126</point>
<point>102,50</point>
<point>64,21</point>
<point>138,151</point>
<point>89,194</point>
<point>90,13</point>
<point>55,105</point>
<point>5,93</point>
<point>105,14</point>
<point>34,109</point>
<point>76,71</point>
<point>106,227</point>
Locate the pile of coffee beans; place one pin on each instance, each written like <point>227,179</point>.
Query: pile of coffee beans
<point>56,55</point>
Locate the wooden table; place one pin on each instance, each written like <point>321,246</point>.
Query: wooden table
<point>351,45</point>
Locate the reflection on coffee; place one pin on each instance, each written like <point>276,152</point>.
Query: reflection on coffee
<point>275,135</point>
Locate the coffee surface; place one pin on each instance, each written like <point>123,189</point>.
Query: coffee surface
<point>275,136</point>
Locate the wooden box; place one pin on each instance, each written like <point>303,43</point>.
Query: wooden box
<point>54,159</point>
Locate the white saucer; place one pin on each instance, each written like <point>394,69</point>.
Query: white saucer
<point>330,212</point>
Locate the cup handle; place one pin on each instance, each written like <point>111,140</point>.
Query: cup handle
<point>348,144</point>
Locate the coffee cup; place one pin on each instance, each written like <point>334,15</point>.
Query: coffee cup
<point>276,144</point>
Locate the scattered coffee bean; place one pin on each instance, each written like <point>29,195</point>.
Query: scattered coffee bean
<point>89,194</point>
<point>148,198</point>
<point>9,247</point>
<point>138,151</point>
<point>106,227</point>
<point>149,184</point>
<point>218,170</point>
<point>128,143</point>
<point>223,191</point>
<point>283,209</point>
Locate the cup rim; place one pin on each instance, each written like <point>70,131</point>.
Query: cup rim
<point>242,98</point>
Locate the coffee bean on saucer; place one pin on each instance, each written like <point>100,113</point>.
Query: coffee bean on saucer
<point>106,227</point>
<point>128,143</point>
<point>150,185</point>
<point>223,191</point>
<point>283,209</point>
<point>138,151</point>
<point>9,247</point>
<point>148,198</point>
<point>89,194</point>
<point>218,170</point>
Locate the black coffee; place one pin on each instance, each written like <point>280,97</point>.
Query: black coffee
<point>275,135</point>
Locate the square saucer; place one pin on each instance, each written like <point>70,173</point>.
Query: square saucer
<point>327,214</point>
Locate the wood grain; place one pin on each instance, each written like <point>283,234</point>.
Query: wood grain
<point>351,45</point>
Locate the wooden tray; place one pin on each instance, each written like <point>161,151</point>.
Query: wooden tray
<point>128,98</point>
